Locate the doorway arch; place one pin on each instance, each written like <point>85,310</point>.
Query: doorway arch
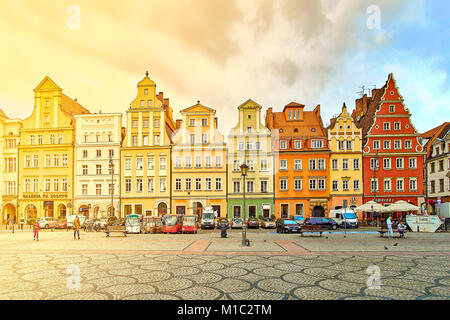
<point>96,212</point>
<point>111,211</point>
<point>198,209</point>
<point>62,211</point>
<point>9,211</point>
<point>318,211</point>
<point>162,209</point>
<point>30,212</point>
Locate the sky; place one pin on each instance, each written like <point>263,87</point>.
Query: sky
<point>225,52</point>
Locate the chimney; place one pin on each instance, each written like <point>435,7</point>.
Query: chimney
<point>160,96</point>
<point>269,118</point>
<point>215,123</point>
<point>166,101</point>
<point>178,124</point>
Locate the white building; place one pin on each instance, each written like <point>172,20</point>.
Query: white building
<point>438,170</point>
<point>97,144</point>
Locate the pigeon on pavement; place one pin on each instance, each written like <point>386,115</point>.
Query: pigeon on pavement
<point>385,248</point>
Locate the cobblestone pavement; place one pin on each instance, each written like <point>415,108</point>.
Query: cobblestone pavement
<point>189,267</point>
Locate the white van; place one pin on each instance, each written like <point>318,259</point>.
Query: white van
<point>347,215</point>
<point>71,218</point>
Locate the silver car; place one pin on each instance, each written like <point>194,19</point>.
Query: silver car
<point>236,223</point>
<point>47,222</point>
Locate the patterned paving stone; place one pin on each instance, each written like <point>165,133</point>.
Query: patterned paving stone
<point>152,276</point>
<point>276,286</point>
<point>340,286</point>
<point>231,285</point>
<point>315,293</point>
<point>256,294</point>
<point>173,285</point>
<point>152,296</point>
<point>205,278</point>
<point>125,290</point>
<point>83,296</point>
<point>199,293</point>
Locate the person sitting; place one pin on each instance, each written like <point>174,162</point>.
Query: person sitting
<point>401,229</point>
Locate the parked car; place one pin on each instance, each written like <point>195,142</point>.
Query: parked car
<point>287,226</point>
<point>236,223</point>
<point>267,223</point>
<point>47,222</point>
<point>223,223</point>
<point>100,224</point>
<point>347,215</point>
<point>189,224</point>
<point>324,223</point>
<point>61,225</point>
<point>152,224</point>
<point>252,223</point>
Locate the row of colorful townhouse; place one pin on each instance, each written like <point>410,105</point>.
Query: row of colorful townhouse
<point>64,160</point>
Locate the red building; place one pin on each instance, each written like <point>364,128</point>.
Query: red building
<point>392,154</point>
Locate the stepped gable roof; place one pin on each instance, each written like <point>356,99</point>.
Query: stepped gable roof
<point>373,102</point>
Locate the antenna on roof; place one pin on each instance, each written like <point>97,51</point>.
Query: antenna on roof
<point>363,90</point>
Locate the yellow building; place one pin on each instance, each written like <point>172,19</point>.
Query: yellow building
<point>198,163</point>
<point>346,183</point>
<point>46,149</point>
<point>146,153</point>
<point>9,140</point>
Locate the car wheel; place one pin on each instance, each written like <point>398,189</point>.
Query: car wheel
<point>334,227</point>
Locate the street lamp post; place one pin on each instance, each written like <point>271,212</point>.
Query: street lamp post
<point>244,169</point>
<point>111,165</point>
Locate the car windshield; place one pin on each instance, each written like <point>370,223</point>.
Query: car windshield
<point>289,222</point>
<point>237,220</point>
<point>350,216</point>
<point>189,221</point>
<point>133,220</point>
<point>170,220</point>
<point>208,215</point>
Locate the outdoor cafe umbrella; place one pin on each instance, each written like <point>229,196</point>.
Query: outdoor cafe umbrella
<point>401,206</point>
<point>370,206</point>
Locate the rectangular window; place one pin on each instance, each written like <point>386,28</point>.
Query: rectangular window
<point>139,185</point>
<point>150,163</point>
<point>145,123</point>
<point>236,187</point>
<point>297,164</point>
<point>84,189</point>
<point>218,161</point>
<point>55,185</point>
<point>283,184</point>
<point>387,184</point>
<point>192,122</point>
<point>413,184</point>
<point>386,126</point>
<point>349,146</point>
<point>98,169</point>
<point>373,184</point>
<point>400,186</point>
<point>27,185</point>
<point>178,162</point>
<point>355,164</point>
<point>156,140</point>
<point>297,144</point>
<point>208,184</point>
<point>344,164</point>
<point>204,122</point>
<point>85,170</point>
<point>335,164</point>
<point>387,144</point>
<point>335,185</point>
<point>127,185</point>
<point>47,185</point>
<point>35,161</point>
<point>219,184</point>
<point>145,140</point>
<point>187,162</point>
<point>264,165</point>
<point>283,144</point>
<point>236,165</point>
<point>156,123</point>
<point>397,125</point>
<point>64,160</point>
<point>64,185</point>
<point>127,164</point>
<point>321,164</point>
<point>321,184</point>
<point>198,162</point>
<point>312,164</point>
<point>345,185</point>
<point>98,189</point>
<point>356,185</point>
<point>297,184</point>
<point>316,144</point>
<point>312,184</point>
<point>376,144</point>
<point>408,144</point>
<point>162,184</point>
<point>250,186</point>
<point>341,145</point>
<point>263,186</point>
<point>162,164</point>
<point>207,162</point>
<point>283,164</point>
<point>387,163</point>
<point>99,153</point>
<point>56,160</point>
<point>40,139</point>
<point>60,139</point>
<point>178,184</point>
<point>27,161</point>
<point>412,163</point>
<point>204,138</point>
<point>188,184</point>
<point>397,144</point>
<point>198,184</point>
<point>374,163</point>
<point>150,185</point>
<point>399,163</point>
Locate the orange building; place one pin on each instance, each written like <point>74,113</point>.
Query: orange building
<point>301,162</point>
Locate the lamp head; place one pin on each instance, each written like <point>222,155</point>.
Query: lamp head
<point>244,169</point>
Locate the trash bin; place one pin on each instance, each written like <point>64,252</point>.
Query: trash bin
<point>223,232</point>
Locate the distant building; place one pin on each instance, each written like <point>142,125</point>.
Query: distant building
<point>393,156</point>
<point>9,141</point>
<point>97,144</point>
<point>199,171</point>
<point>346,181</point>
<point>250,142</point>
<point>301,162</point>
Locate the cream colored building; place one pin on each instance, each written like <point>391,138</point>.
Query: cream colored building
<point>199,169</point>
<point>9,140</point>
<point>97,144</point>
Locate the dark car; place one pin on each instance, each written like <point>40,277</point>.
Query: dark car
<point>287,226</point>
<point>252,223</point>
<point>223,223</point>
<point>324,223</point>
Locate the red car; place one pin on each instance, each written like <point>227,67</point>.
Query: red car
<point>189,224</point>
<point>61,225</point>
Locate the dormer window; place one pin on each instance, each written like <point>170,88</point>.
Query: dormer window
<point>316,144</point>
<point>290,114</point>
<point>391,109</point>
<point>142,103</point>
<point>145,91</point>
<point>283,144</point>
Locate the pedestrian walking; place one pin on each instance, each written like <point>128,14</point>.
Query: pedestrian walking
<point>36,228</point>
<point>9,223</point>
<point>389,226</point>
<point>22,222</point>
<point>76,227</point>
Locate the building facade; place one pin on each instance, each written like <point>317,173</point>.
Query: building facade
<point>146,153</point>
<point>346,181</point>
<point>392,154</point>
<point>301,162</point>
<point>250,142</point>
<point>46,154</point>
<point>438,171</point>
<point>199,163</point>
<point>9,140</point>
<point>97,145</point>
